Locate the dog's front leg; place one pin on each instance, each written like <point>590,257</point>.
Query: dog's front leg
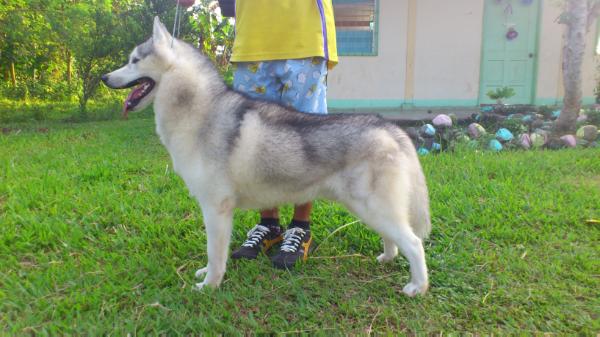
<point>218,223</point>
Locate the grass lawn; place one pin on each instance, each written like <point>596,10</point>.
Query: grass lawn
<point>99,236</point>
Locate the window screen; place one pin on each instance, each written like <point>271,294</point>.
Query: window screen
<point>356,26</point>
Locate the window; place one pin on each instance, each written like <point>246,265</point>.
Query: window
<point>356,27</point>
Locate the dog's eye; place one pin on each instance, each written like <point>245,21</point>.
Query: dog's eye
<point>135,60</point>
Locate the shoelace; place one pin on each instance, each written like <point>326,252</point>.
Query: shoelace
<point>255,235</point>
<point>291,239</point>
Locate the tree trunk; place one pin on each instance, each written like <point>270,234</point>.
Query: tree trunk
<point>13,75</point>
<point>573,51</point>
<point>69,66</point>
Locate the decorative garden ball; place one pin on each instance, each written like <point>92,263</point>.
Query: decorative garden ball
<point>442,121</point>
<point>428,130</point>
<point>495,145</point>
<point>185,3</point>
<point>463,139</point>
<point>525,141</point>
<point>476,130</point>
<point>581,118</point>
<point>569,140</point>
<point>556,114</point>
<point>422,151</point>
<point>504,135</point>
<point>538,140</point>
<point>588,132</point>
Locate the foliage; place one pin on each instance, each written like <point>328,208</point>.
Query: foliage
<point>501,93</point>
<point>98,236</point>
<point>215,36</point>
<point>60,48</point>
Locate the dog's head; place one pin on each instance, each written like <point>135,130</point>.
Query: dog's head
<point>147,63</point>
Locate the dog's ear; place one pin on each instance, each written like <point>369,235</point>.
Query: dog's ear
<point>160,34</point>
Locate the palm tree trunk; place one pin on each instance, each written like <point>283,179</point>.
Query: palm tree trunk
<point>573,51</point>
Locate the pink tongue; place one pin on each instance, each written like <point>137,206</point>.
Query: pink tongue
<point>131,95</point>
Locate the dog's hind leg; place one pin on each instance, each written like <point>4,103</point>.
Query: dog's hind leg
<point>387,220</point>
<point>218,223</point>
<point>390,251</point>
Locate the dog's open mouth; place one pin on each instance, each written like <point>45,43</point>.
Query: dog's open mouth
<point>142,87</point>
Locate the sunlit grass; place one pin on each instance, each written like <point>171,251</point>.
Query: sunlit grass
<point>99,236</point>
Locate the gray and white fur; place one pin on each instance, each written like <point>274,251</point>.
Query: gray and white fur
<point>236,152</point>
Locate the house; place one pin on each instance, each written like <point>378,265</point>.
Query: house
<point>436,53</point>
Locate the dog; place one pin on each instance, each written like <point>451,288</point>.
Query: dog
<point>236,152</point>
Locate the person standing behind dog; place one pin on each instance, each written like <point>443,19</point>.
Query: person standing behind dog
<point>281,53</point>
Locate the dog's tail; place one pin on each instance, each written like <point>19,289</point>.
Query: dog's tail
<point>419,218</point>
<point>418,199</point>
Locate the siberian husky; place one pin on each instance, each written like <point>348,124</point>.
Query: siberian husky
<point>233,151</point>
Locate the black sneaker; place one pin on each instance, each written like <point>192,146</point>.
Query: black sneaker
<point>259,238</point>
<point>296,244</point>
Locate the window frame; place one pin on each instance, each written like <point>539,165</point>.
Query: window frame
<point>375,48</point>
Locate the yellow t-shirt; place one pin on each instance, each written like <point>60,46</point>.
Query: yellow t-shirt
<point>284,29</point>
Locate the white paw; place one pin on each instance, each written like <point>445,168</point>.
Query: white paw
<point>383,258</point>
<point>201,271</point>
<point>411,289</point>
<point>198,286</point>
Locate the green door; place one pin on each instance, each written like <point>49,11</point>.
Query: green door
<point>509,59</point>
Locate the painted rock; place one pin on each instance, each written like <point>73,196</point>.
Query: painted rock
<point>538,139</point>
<point>569,140</point>
<point>422,151</point>
<point>463,138</point>
<point>525,141</point>
<point>436,147</point>
<point>555,114</point>
<point>527,119</point>
<point>476,130</point>
<point>442,121</point>
<point>581,118</point>
<point>588,132</point>
<point>495,145</point>
<point>504,135</point>
<point>487,108</point>
<point>428,130</point>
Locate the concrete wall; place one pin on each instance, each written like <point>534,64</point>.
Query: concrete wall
<point>448,52</point>
<point>447,58</point>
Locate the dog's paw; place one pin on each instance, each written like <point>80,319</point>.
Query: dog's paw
<point>411,289</point>
<point>201,271</point>
<point>383,258</point>
<point>198,286</point>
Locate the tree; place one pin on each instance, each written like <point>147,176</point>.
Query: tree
<point>578,17</point>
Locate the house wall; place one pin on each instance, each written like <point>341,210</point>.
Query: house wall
<point>448,52</point>
<point>374,81</point>
<point>447,58</point>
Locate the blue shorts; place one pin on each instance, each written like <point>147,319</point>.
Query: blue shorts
<point>297,83</point>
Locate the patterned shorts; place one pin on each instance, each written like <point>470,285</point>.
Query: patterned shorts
<point>297,83</point>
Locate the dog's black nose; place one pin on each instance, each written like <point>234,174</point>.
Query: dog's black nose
<point>104,78</point>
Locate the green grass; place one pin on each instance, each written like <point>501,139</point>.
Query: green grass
<point>99,236</point>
